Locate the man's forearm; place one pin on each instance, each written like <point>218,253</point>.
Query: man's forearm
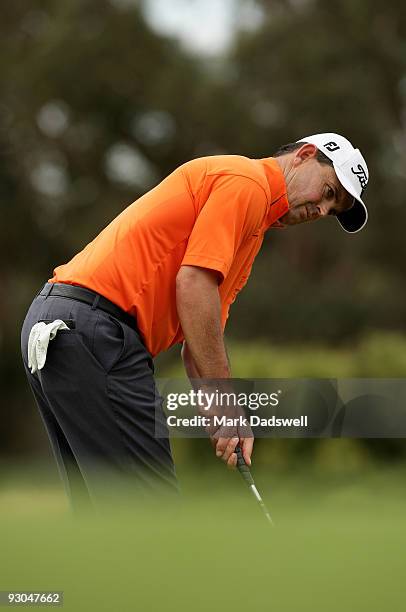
<point>190,366</point>
<point>204,354</point>
<point>199,311</point>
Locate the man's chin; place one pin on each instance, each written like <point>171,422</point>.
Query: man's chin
<point>295,219</point>
<point>289,219</point>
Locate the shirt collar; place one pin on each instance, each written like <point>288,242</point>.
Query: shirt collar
<point>278,201</point>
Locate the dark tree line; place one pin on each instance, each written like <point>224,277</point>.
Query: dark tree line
<point>95,108</point>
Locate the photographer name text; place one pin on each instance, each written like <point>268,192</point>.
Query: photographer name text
<point>223,421</point>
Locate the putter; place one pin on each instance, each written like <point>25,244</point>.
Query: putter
<point>246,474</point>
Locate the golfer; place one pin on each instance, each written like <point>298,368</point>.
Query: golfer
<point>166,271</point>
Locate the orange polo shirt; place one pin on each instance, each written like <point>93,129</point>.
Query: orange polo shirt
<point>211,212</point>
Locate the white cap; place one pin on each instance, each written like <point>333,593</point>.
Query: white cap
<point>352,172</point>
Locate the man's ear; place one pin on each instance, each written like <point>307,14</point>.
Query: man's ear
<point>307,151</point>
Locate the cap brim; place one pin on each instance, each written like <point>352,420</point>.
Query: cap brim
<point>354,219</point>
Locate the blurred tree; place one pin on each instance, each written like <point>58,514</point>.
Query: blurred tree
<point>316,66</point>
<point>96,107</point>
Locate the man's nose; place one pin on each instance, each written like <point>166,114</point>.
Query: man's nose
<point>324,208</point>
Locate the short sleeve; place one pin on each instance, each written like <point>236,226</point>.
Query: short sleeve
<point>234,211</point>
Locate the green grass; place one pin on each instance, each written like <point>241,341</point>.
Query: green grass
<point>338,544</point>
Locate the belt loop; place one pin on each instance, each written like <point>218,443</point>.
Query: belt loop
<point>48,288</point>
<point>95,302</point>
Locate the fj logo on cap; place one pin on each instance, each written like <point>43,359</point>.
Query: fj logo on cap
<point>360,173</point>
<point>331,146</point>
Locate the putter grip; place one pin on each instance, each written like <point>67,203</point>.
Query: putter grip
<point>243,467</point>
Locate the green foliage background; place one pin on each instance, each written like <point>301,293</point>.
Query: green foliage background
<point>319,302</point>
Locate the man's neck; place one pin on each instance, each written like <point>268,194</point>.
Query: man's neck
<point>285,164</point>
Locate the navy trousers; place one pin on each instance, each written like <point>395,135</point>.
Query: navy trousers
<point>98,400</point>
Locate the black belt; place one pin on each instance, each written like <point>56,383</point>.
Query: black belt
<point>89,297</point>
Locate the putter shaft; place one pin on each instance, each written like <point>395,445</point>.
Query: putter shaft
<point>247,476</point>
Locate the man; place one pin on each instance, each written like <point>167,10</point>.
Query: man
<point>166,271</point>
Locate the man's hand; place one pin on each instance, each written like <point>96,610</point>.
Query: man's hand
<point>225,448</point>
<point>225,439</point>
